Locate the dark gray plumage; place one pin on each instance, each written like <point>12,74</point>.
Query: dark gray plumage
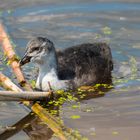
<point>87,63</point>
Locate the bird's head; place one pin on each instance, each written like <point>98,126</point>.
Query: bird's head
<point>37,48</point>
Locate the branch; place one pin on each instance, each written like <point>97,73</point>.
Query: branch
<point>22,96</point>
<point>41,112</point>
<point>6,83</point>
<point>9,52</point>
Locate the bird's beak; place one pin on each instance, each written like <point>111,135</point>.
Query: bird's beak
<point>25,59</point>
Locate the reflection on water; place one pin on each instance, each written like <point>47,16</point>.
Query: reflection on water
<point>116,113</point>
<point>31,125</point>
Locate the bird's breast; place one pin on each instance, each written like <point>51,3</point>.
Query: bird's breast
<point>56,84</point>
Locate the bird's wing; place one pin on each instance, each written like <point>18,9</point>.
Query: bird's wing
<point>85,61</point>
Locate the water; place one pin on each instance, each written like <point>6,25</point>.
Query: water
<point>113,116</point>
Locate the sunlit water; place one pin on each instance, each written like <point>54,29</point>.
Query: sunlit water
<point>113,116</point>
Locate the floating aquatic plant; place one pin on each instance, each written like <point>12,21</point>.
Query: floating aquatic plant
<point>107,30</point>
<point>75,117</point>
<point>75,106</point>
<point>115,133</point>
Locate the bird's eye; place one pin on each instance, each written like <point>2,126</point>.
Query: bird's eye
<point>35,49</point>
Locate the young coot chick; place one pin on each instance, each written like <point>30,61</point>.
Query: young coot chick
<point>85,64</point>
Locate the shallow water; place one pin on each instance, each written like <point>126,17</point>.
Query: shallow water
<point>113,116</point>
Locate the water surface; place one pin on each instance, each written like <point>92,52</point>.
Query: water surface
<point>113,116</point>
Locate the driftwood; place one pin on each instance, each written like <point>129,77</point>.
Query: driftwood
<point>36,108</point>
<point>23,96</point>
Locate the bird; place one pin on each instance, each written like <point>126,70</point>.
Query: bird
<point>67,69</point>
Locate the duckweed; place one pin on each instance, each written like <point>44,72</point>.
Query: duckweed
<point>115,133</point>
<point>54,112</point>
<point>75,106</point>
<point>75,117</point>
<point>88,110</point>
<point>60,92</point>
<point>97,36</point>
<point>107,30</point>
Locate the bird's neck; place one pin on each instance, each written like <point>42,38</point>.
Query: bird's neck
<point>48,70</point>
<point>49,63</point>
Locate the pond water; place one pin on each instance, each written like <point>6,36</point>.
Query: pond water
<point>114,116</point>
